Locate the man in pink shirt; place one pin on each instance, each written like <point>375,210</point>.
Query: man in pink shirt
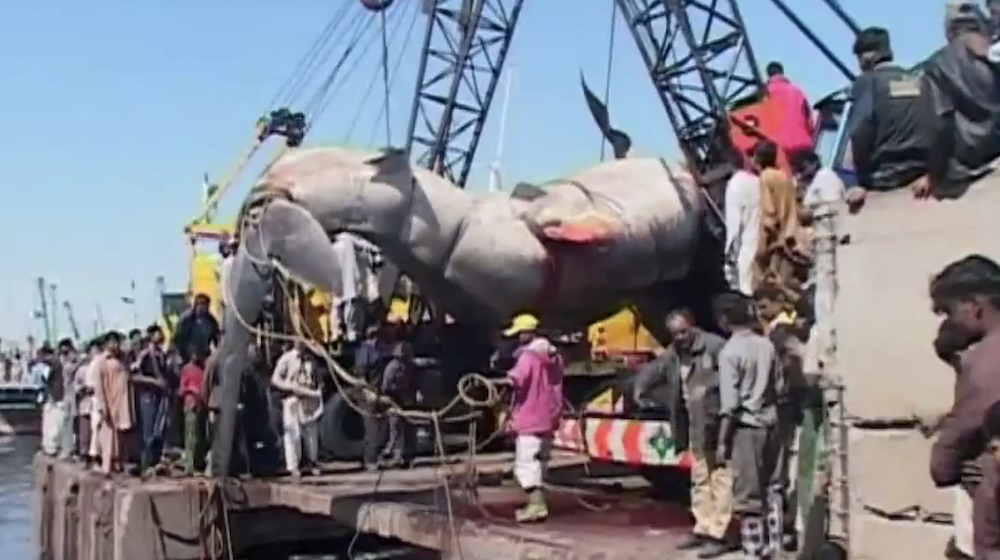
<point>797,128</point>
<point>536,382</point>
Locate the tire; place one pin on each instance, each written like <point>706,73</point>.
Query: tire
<point>668,483</point>
<point>341,431</point>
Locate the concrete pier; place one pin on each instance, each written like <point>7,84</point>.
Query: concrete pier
<point>80,515</point>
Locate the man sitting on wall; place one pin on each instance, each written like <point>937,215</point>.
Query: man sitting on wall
<point>959,105</point>
<point>887,150</point>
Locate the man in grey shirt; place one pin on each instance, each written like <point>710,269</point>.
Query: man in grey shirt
<point>750,383</point>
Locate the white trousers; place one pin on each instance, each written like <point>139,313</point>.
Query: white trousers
<point>531,458</point>
<point>962,521</point>
<point>295,432</point>
<point>57,431</point>
<point>95,442</point>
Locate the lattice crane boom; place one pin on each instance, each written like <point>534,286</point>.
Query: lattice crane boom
<point>700,60</point>
<point>466,45</point>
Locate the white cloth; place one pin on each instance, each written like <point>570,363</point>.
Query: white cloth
<point>994,53</point>
<point>345,246</point>
<point>826,187</point>
<point>355,261</point>
<point>295,433</point>
<point>962,521</point>
<point>97,408</point>
<point>57,432</point>
<point>531,458</point>
<point>224,269</point>
<point>742,229</point>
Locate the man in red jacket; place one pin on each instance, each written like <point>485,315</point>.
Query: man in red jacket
<point>797,129</point>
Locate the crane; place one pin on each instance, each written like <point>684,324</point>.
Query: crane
<point>696,52</point>
<point>43,311</point>
<point>465,48</point>
<point>72,320</point>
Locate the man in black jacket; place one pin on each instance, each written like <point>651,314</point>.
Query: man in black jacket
<point>197,330</point>
<point>959,107</point>
<point>886,148</point>
<point>687,377</point>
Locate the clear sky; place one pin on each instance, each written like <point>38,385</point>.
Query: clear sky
<point>113,109</point>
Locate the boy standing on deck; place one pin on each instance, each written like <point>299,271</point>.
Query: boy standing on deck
<point>536,381</point>
<point>750,382</point>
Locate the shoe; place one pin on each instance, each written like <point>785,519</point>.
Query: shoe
<point>952,552</point>
<point>535,511</point>
<point>791,542</point>
<point>717,548</point>
<point>693,542</point>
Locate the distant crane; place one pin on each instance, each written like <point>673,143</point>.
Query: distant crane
<point>99,317</point>
<point>54,306</point>
<point>43,313</point>
<point>72,320</point>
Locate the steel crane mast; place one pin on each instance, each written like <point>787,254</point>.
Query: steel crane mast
<point>700,60</point>
<point>465,47</point>
<point>696,52</point>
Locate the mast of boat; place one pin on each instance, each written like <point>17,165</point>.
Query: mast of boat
<point>495,180</point>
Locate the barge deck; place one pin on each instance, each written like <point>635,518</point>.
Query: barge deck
<point>445,511</point>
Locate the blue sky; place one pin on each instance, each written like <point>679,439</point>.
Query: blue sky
<point>113,110</point>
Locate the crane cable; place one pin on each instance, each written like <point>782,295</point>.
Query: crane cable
<point>292,87</point>
<point>385,81</point>
<point>608,69</point>
<point>349,133</point>
<point>318,100</point>
<point>384,109</point>
<point>298,76</point>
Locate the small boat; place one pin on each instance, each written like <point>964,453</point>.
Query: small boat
<point>20,410</point>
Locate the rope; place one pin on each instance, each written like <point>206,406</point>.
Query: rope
<point>435,418</point>
<point>607,70</point>
<point>342,377</point>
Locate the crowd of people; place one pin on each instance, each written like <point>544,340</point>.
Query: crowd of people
<point>112,402</point>
<point>130,403</point>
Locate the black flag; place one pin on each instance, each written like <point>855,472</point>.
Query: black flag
<point>620,142</point>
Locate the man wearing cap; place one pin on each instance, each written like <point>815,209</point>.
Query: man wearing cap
<point>536,408</point>
<point>886,147</point>
<point>994,13</point>
<point>959,104</point>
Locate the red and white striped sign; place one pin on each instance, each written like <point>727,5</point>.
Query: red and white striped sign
<point>633,442</point>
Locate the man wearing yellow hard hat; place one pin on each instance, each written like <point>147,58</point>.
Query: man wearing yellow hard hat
<point>523,324</point>
<point>536,383</point>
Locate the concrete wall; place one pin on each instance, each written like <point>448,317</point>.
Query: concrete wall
<point>885,328</point>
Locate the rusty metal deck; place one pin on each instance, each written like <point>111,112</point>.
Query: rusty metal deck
<point>80,515</point>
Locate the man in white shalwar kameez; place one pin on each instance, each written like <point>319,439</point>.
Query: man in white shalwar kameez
<point>742,229</point>
<point>295,376</point>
